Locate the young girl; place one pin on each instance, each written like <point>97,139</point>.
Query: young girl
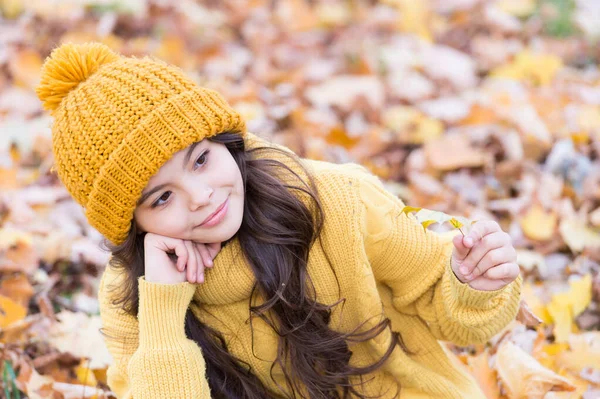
<point>239,270</point>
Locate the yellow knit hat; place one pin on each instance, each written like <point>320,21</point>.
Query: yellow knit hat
<point>117,120</point>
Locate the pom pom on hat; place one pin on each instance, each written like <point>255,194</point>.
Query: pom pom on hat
<point>69,65</point>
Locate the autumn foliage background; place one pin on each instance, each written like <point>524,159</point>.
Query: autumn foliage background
<point>487,109</point>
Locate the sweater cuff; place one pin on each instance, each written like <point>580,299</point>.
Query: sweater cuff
<point>468,297</point>
<point>161,314</point>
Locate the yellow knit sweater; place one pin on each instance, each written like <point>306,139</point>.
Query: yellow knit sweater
<point>385,263</point>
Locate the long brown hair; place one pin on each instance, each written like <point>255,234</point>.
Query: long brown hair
<point>277,231</point>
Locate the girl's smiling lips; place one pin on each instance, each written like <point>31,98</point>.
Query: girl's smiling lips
<point>217,215</point>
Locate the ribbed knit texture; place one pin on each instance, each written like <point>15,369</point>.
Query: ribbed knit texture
<point>117,120</point>
<point>383,260</point>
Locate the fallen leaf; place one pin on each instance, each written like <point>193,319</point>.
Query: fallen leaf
<point>523,377</point>
<point>538,224</point>
<point>539,69</point>
<point>10,311</point>
<point>453,151</point>
<point>485,376</point>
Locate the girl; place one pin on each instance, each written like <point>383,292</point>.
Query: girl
<point>239,270</point>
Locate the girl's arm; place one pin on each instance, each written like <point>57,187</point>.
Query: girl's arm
<point>153,358</point>
<point>415,264</point>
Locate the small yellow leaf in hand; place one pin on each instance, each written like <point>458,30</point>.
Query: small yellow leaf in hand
<point>408,209</point>
<point>455,223</point>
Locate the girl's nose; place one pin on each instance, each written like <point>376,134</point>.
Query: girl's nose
<point>200,197</point>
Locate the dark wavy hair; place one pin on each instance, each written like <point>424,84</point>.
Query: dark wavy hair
<point>277,232</point>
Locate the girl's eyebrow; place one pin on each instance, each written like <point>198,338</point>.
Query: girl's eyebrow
<point>186,159</point>
<point>188,154</point>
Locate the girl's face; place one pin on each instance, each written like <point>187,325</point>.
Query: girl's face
<point>190,187</point>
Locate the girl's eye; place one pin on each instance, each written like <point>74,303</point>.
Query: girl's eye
<point>202,159</point>
<point>163,198</point>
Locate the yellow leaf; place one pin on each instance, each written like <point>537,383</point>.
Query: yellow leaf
<point>588,118</point>
<point>10,311</point>
<point>85,375</point>
<point>536,68</point>
<point>577,235</point>
<point>518,8</point>
<point>426,223</point>
<point>455,223</point>
<point>538,224</point>
<point>11,8</point>
<point>562,316</point>
<point>584,352</point>
<point>428,217</point>
<point>580,294</point>
<point>554,349</point>
<point>408,209</point>
<point>565,306</point>
<point>535,303</point>
<point>338,136</point>
<point>415,17</point>
<point>410,125</point>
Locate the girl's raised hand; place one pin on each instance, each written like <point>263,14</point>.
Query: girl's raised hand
<point>170,260</point>
<point>485,258</point>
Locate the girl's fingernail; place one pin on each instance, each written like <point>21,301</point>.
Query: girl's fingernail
<point>464,270</point>
<point>201,278</point>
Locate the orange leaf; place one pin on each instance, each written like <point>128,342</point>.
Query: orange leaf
<point>10,311</point>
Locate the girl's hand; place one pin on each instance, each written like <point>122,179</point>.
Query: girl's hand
<point>485,258</point>
<point>171,260</point>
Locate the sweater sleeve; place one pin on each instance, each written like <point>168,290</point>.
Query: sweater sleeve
<point>415,264</point>
<point>152,356</point>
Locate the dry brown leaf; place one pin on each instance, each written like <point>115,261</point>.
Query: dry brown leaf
<point>523,377</point>
<point>79,334</point>
<point>453,151</point>
<point>18,288</point>
<point>35,385</point>
<point>26,68</point>
<point>526,315</point>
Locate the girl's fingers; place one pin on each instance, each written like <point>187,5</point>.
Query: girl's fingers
<point>481,248</point>
<point>504,271</point>
<point>205,254</point>
<point>492,259</point>
<point>182,255</point>
<point>200,271</point>
<point>213,249</point>
<point>192,264</point>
